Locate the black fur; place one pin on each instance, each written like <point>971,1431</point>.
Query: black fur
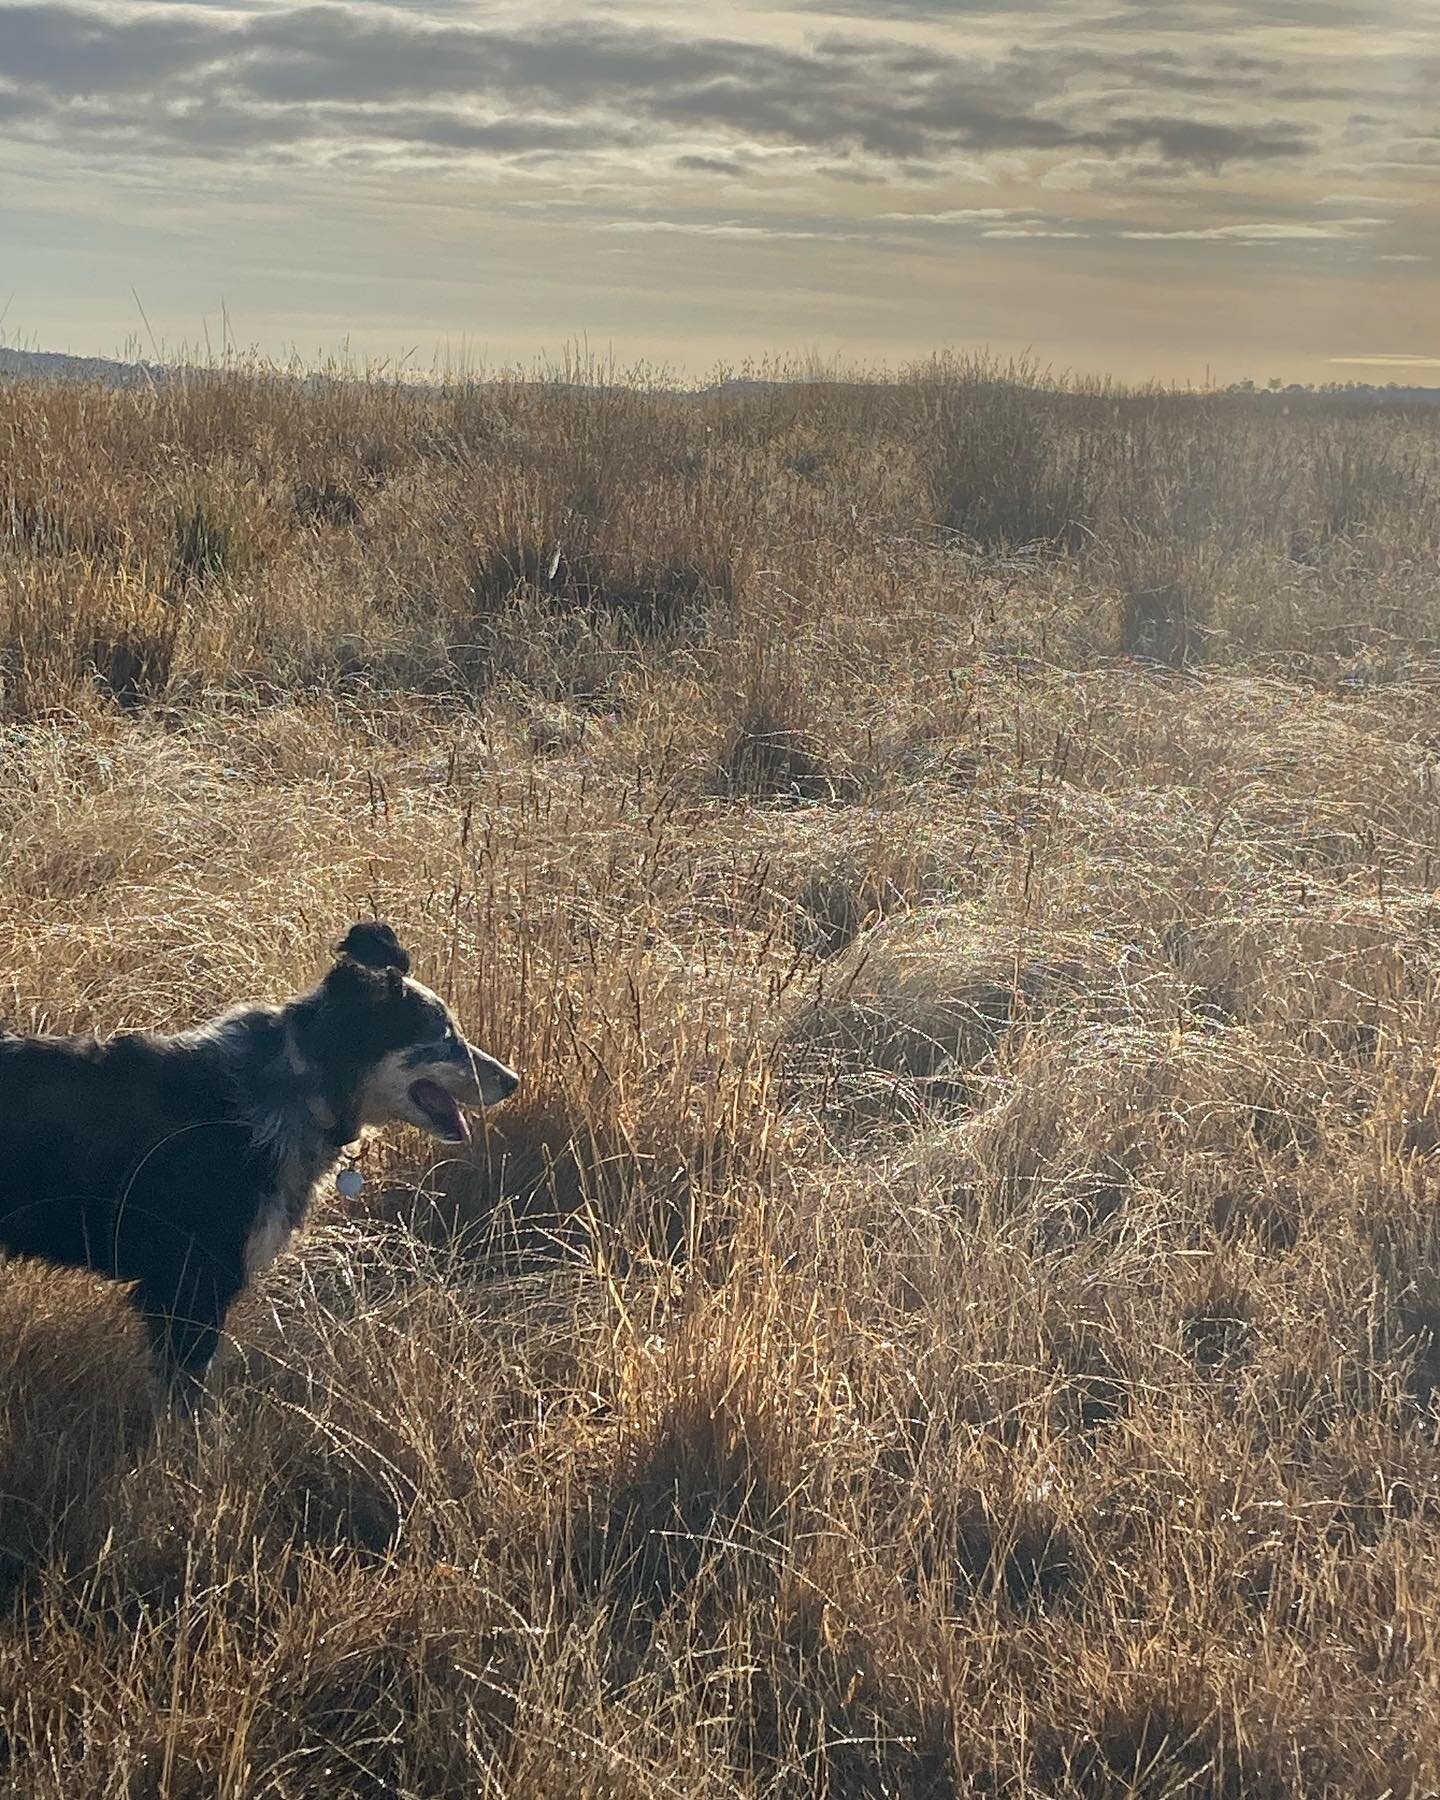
<point>154,1159</point>
<point>131,1158</point>
<point>374,944</point>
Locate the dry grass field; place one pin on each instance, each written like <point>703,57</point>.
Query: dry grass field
<point>955,1306</point>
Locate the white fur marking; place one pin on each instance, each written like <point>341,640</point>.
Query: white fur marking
<point>268,1236</point>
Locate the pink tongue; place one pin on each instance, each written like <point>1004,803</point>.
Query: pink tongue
<point>442,1108</point>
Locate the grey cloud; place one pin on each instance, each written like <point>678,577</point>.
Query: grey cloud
<point>444,131</point>
<point>1210,145</point>
<point>917,10</point>
<point>212,131</point>
<point>1201,69</point>
<point>710,165</point>
<point>1202,17</point>
<point>64,51</point>
<point>857,175</point>
<point>17,106</point>
<point>332,53</point>
<point>1181,17</point>
<point>582,83</point>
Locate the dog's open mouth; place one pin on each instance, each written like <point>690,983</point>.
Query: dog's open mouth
<point>441,1110</point>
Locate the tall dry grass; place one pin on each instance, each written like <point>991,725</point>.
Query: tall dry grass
<point>953,1309</point>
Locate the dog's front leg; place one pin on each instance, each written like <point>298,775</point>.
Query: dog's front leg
<point>184,1311</point>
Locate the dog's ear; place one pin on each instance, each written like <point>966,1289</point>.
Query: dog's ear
<point>375,946</point>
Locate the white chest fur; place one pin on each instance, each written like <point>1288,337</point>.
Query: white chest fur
<point>281,1213</point>
<point>272,1230</point>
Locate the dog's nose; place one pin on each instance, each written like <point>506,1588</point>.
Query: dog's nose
<point>497,1083</point>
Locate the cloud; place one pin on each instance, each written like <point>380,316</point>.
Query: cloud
<point>731,229</point>
<point>1211,145</point>
<point>1213,16</point>
<point>919,11</point>
<point>16,105</point>
<point>1031,231</point>
<point>1366,200</point>
<point>956,215</point>
<point>1216,70</point>
<point>711,165</point>
<point>1384,361</point>
<point>72,54</point>
<point>1271,232</point>
<point>165,73</point>
<point>993,222</point>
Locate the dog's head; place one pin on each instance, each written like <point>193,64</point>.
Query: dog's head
<point>387,1050</point>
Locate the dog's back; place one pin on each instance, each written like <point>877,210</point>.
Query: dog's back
<point>107,1146</point>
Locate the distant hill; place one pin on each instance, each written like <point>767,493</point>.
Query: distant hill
<point>1391,395</point>
<point>57,365</point>
<point>54,365</point>
<point>1360,393</point>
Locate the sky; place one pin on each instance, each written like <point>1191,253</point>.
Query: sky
<point>1174,190</point>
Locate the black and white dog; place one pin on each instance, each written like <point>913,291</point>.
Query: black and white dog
<point>183,1164</point>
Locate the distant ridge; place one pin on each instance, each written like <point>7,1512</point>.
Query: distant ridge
<point>1362,393</point>
<point>55,365</point>
<point>58,365</point>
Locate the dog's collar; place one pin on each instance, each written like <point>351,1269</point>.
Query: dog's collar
<point>339,1134</point>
